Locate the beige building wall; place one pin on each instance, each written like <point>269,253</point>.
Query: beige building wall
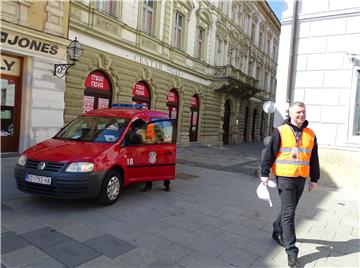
<point>118,46</point>
<point>326,76</point>
<point>36,33</point>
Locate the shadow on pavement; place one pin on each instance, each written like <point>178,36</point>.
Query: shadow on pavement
<point>329,249</point>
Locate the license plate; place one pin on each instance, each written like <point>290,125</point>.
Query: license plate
<point>38,179</point>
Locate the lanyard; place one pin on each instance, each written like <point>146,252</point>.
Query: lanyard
<point>297,136</point>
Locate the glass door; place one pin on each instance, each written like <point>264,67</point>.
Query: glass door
<point>10,113</point>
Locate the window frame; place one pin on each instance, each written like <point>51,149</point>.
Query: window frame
<point>354,92</point>
<point>145,9</point>
<point>179,44</point>
<point>101,3</point>
<point>200,42</point>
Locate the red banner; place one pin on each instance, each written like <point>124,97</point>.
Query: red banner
<point>140,90</point>
<point>97,80</point>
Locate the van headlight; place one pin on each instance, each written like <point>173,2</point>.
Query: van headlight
<point>22,160</point>
<point>80,167</point>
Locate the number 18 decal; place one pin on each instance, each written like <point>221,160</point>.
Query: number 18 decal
<point>130,161</point>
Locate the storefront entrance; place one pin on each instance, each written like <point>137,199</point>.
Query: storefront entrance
<point>141,94</point>
<point>226,125</point>
<point>98,92</point>
<point>10,103</point>
<point>194,119</point>
<point>172,103</point>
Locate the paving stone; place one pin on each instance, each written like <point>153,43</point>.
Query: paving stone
<point>109,245</point>
<point>239,258</point>
<point>47,262</point>
<point>208,247</point>
<point>161,263</point>
<point>233,240</point>
<point>45,237</point>
<point>182,223</point>
<point>11,241</point>
<point>100,262</point>
<point>177,235</point>
<point>72,253</point>
<point>22,256</point>
<point>136,258</point>
<point>151,242</point>
<point>175,252</point>
<point>200,260</point>
<point>207,232</point>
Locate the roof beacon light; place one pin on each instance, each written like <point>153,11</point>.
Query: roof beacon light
<point>128,105</point>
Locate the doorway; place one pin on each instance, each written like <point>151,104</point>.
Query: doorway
<point>226,124</point>
<point>10,113</point>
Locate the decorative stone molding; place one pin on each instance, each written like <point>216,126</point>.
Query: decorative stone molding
<point>16,11</point>
<point>54,23</point>
<point>104,61</point>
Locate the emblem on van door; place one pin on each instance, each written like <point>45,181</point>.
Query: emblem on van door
<point>152,157</point>
<point>41,165</point>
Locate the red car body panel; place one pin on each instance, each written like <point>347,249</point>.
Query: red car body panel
<point>108,156</point>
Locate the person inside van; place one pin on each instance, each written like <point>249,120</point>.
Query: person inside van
<point>137,133</point>
<point>153,136</point>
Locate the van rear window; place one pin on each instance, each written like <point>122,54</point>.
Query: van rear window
<point>94,129</point>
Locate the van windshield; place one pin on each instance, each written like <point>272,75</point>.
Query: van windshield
<point>94,129</point>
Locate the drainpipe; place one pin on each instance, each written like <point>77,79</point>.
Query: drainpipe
<point>292,55</point>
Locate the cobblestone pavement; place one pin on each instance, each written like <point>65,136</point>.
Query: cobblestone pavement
<point>211,218</point>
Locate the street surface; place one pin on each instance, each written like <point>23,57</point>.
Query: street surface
<point>211,218</point>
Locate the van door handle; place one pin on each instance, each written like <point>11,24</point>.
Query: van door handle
<point>168,152</point>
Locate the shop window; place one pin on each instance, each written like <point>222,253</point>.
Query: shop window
<point>107,6</point>
<point>98,92</point>
<point>141,94</point>
<point>172,103</point>
<point>194,118</point>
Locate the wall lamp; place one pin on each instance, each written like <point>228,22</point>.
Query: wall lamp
<point>74,51</point>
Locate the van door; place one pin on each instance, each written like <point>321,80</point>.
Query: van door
<point>155,157</point>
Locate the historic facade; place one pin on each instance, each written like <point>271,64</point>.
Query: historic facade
<point>324,72</point>
<point>33,39</point>
<point>210,64</point>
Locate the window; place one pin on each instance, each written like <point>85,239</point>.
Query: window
<point>179,24</point>
<point>261,39</point>
<point>274,52</point>
<point>200,42</point>
<point>219,52</point>
<point>148,17</point>
<point>107,6</point>
<point>356,128</point>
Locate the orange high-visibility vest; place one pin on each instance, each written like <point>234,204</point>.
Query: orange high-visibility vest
<point>286,164</point>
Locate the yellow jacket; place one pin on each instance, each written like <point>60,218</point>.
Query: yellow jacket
<point>293,158</point>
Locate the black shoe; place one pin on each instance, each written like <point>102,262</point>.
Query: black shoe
<point>279,239</point>
<point>293,261</point>
<point>167,188</point>
<point>148,187</point>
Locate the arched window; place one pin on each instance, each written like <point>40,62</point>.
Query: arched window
<point>141,94</point>
<point>172,103</point>
<point>194,118</point>
<point>98,92</point>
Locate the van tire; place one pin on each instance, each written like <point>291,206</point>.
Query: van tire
<point>110,188</point>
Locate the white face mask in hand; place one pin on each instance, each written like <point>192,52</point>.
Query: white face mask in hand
<point>263,193</point>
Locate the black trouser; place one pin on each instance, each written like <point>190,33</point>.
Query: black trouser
<point>166,183</point>
<point>290,191</point>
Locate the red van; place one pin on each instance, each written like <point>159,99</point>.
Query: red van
<point>98,153</point>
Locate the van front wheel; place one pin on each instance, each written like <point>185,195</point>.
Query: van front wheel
<point>110,189</point>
